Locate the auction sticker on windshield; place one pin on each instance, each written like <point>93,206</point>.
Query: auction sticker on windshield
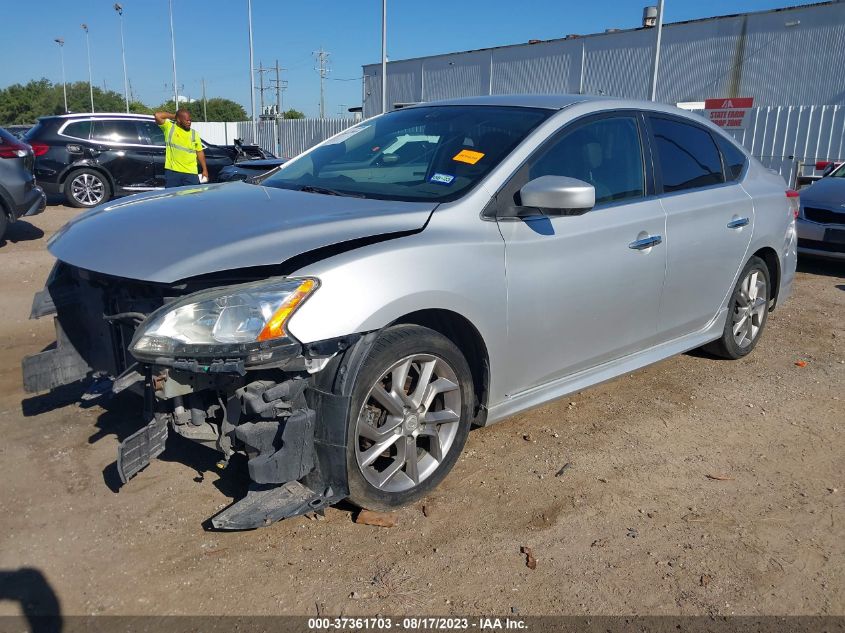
<point>468,156</point>
<point>443,179</point>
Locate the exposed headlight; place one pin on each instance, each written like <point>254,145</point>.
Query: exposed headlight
<point>245,321</point>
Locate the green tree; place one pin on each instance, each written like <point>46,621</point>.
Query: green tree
<point>24,103</point>
<point>217,109</point>
<point>293,114</point>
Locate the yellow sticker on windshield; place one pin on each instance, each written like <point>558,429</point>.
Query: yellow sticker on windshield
<point>468,156</point>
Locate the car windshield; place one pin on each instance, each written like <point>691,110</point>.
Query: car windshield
<point>839,172</point>
<point>434,153</point>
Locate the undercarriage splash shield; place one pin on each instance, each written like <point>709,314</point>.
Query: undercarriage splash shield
<point>139,449</point>
<point>263,506</point>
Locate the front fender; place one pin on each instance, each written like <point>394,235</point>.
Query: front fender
<point>369,288</point>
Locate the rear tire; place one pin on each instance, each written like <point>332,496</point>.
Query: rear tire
<point>86,188</point>
<point>421,425</point>
<point>748,311</point>
<point>4,222</point>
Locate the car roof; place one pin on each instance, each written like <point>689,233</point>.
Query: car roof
<point>89,115</point>
<point>546,102</point>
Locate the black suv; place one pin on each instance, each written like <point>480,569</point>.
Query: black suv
<point>89,158</point>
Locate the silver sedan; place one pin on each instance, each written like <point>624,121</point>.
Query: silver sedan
<point>347,320</point>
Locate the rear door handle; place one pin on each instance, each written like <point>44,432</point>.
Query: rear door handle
<point>738,223</point>
<point>646,242</point>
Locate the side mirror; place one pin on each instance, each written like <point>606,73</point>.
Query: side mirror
<point>558,195</point>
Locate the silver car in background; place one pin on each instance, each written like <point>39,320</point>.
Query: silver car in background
<point>821,222</point>
<point>346,321</point>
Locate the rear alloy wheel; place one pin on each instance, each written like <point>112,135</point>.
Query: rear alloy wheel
<point>748,312</point>
<point>86,188</point>
<point>412,408</point>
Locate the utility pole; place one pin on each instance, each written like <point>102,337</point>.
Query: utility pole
<point>173,53</point>
<point>280,86</point>
<point>204,111</point>
<point>322,58</point>
<point>61,42</point>
<point>90,76</point>
<point>261,70</point>
<point>119,8</point>
<point>383,56</point>
<point>251,75</point>
<point>657,50</point>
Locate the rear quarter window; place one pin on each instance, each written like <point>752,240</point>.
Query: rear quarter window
<point>733,158</point>
<point>686,154</point>
<point>78,129</point>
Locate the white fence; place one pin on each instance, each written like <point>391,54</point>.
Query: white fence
<point>780,137</point>
<point>783,137</point>
<point>284,138</point>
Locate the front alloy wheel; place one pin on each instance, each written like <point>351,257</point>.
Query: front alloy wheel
<point>409,419</point>
<point>408,423</point>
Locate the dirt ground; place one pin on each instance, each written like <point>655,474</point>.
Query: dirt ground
<point>695,486</point>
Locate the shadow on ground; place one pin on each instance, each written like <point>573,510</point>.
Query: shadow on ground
<point>21,231</point>
<point>818,266</point>
<point>38,601</point>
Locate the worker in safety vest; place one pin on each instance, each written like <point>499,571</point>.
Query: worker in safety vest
<point>184,149</point>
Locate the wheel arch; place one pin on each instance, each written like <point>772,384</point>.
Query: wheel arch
<point>100,170</point>
<point>770,258</point>
<point>466,337</point>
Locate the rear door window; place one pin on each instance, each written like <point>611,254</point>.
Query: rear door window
<point>686,154</point>
<point>115,131</point>
<point>78,129</point>
<point>151,133</point>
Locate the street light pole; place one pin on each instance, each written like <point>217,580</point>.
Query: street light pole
<point>251,75</point>
<point>119,8</point>
<point>90,76</point>
<point>61,42</point>
<point>657,50</point>
<point>383,56</point>
<point>173,52</point>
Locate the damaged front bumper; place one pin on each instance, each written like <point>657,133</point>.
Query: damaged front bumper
<point>285,418</point>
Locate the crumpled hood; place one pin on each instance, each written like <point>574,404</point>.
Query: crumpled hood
<point>828,192</point>
<point>190,231</point>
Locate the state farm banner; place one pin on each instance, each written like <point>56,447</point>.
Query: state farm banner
<point>729,113</point>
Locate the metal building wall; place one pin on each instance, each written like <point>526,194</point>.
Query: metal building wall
<point>788,57</point>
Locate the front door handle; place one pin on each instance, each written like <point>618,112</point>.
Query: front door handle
<point>738,223</point>
<point>646,242</point>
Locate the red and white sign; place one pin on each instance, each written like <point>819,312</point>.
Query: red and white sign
<point>730,113</point>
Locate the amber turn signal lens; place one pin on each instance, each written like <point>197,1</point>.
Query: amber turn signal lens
<point>275,327</point>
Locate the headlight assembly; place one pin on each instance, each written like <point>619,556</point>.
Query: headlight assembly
<point>245,322</point>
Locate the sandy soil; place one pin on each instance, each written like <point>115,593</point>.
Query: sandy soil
<point>635,525</point>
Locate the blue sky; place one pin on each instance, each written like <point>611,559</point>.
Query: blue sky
<point>212,41</point>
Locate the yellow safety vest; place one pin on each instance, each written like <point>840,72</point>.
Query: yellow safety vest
<point>181,148</point>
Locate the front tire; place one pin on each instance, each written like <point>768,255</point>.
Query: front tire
<point>748,311</point>
<point>411,410</point>
<point>86,188</point>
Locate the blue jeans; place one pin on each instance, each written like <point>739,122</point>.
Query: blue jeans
<point>179,179</point>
